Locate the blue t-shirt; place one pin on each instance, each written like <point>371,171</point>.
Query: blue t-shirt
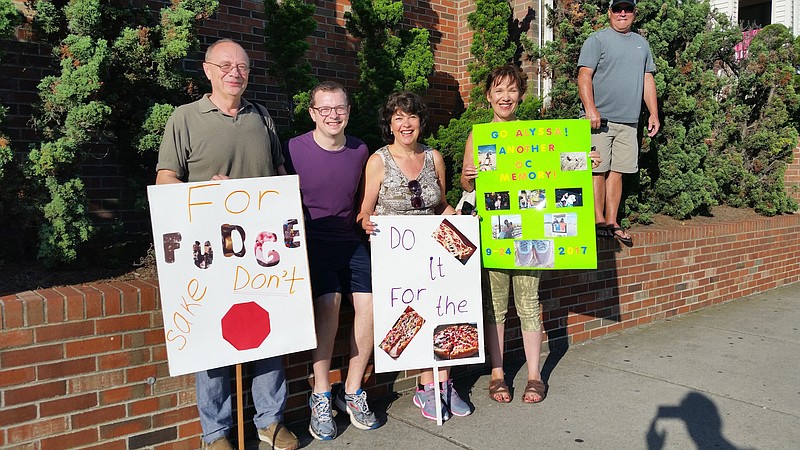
<point>329,182</point>
<point>619,61</point>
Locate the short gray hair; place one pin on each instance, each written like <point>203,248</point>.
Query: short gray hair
<point>211,47</point>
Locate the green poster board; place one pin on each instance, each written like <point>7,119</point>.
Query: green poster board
<point>534,194</point>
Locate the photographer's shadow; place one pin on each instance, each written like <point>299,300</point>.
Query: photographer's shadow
<point>702,420</point>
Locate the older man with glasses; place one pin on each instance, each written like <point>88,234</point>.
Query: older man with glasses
<point>615,73</point>
<point>331,166</point>
<point>218,137</point>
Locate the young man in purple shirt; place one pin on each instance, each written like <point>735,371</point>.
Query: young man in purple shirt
<point>330,165</point>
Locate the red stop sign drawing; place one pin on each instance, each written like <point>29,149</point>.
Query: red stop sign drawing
<point>245,325</point>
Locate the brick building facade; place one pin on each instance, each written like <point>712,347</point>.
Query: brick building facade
<point>332,56</point>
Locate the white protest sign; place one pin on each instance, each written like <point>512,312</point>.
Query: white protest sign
<point>426,287</point>
<point>232,271</point>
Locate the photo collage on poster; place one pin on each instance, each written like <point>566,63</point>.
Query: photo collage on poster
<point>534,194</point>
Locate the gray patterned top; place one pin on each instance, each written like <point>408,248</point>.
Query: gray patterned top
<point>394,197</point>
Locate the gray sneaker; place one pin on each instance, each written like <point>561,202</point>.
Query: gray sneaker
<point>356,406</point>
<point>322,426</point>
<point>458,407</point>
<point>426,400</point>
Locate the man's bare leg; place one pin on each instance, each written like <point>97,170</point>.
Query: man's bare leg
<point>361,342</point>
<point>613,189</point>
<point>326,316</point>
<point>599,186</point>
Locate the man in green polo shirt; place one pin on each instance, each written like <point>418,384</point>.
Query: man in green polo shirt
<point>218,137</point>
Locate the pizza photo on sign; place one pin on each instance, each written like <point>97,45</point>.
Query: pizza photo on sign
<point>455,341</point>
<point>402,332</point>
<point>454,241</point>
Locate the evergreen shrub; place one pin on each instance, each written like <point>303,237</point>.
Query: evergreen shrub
<point>120,74</point>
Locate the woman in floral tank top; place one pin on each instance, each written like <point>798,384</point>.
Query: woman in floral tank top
<point>406,177</point>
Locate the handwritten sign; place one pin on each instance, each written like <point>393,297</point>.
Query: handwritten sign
<point>233,271</point>
<point>426,286</point>
<point>534,194</point>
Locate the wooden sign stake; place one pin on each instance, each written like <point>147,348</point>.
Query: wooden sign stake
<point>239,406</point>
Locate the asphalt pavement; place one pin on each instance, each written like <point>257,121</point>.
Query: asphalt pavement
<point>726,377</point>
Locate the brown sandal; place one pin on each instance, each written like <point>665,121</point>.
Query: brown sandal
<point>499,387</point>
<point>534,388</point>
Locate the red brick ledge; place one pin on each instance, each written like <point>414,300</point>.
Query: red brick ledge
<point>86,364</point>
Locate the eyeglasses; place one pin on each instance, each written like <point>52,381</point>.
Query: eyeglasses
<point>618,9</point>
<point>228,68</point>
<point>325,111</point>
<point>416,193</point>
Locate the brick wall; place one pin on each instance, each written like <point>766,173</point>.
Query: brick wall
<point>792,176</point>
<point>333,50</point>
<point>24,65</point>
<point>86,365</point>
<point>332,55</point>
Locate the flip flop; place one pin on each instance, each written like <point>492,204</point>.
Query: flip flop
<point>499,387</point>
<point>620,237</point>
<point>534,387</point>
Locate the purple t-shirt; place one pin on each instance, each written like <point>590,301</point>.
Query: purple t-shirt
<point>329,182</point>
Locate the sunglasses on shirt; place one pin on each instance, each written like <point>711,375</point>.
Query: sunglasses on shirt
<point>416,193</point>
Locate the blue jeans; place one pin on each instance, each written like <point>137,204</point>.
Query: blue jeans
<point>214,397</point>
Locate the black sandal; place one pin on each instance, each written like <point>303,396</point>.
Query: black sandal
<point>626,240</point>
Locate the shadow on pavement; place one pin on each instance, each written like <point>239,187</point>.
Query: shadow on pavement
<point>701,418</point>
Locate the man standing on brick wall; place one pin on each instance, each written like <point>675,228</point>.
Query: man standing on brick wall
<point>218,137</point>
<point>615,72</point>
<point>331,166</point>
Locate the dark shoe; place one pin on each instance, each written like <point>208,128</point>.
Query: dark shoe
<point>602,230</point>
<point>620,234</point>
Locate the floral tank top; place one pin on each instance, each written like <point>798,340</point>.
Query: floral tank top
<point>395,197</point>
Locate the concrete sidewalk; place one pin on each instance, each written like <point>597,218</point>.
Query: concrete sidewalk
<point>726,377</point>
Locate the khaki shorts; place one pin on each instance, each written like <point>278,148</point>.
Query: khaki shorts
<point>618,147</point>
<point>496,292</point>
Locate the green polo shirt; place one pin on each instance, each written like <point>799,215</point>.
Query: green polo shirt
<point>201,141</point>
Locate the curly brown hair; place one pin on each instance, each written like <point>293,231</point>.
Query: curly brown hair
<point>407,102</point>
